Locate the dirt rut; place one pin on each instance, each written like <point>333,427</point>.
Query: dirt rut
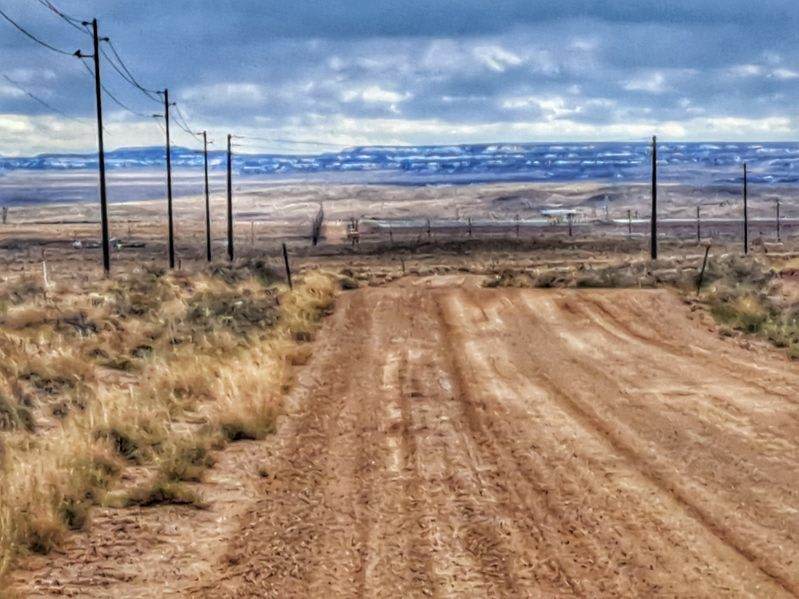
<point>524,443</point>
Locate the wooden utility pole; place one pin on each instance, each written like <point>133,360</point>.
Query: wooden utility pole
<point>229,199</point>
<point>98,92</point>
<point>207,201</point>
<point>746,211</point>
<point>171,223</point>
<point>654,218</point>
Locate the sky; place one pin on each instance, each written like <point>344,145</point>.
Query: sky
<point>380,72</point>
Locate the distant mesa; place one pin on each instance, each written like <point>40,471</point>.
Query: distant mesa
<point>770,163</point>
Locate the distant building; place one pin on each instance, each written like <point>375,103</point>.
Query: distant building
<point>558,216</point>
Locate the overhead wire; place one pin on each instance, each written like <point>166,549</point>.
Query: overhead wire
<point>76,23</point>
<point>113,97</point>
<point>182,123</point>
<point>36,98</point>
<point>126,74</point>
<point>34,37</point>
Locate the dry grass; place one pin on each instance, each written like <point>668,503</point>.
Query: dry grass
<point>625,274</point>
<point>161,491</point>
<point>212,354</point>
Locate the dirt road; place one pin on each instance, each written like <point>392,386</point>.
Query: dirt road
<point>473,442</point>
<point>458,441</point>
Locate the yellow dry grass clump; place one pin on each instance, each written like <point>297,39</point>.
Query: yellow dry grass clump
<point>155,369</point>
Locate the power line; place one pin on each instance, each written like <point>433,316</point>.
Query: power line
<point>150,93</point>
<point>33,37</point>
<point>36,98</point>
<point>182,122</point>
<point>158,122</point>
<point>113,97</point>
<point>76,23</point>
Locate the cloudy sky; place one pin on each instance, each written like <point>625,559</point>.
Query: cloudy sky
<point>410,72</point>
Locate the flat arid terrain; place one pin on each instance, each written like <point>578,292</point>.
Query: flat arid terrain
<point>455,414</point>
<point>451,440</point>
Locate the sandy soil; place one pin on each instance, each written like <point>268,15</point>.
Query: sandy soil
<point>448,440</point>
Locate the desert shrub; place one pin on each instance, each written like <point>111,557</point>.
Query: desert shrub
<point>348,283</point>
<point>744,312</point>
<point>43,532</point>
<point>231,310</point>
<point>187,458</point>
<point>162,492</point>
<point>245,269</point>
<point>14,416</point>
<point>238,426</point>
<point>22,289</point>
<point>58,372</point>
<point>737,271</point>
<point>141,294</point>
<point>133,438</point>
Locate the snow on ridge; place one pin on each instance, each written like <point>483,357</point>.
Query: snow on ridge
<point>774,162</point>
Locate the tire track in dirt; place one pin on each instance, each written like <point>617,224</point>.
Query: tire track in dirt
<point>595,578</point>
<point>454,442</point>
<point>625,441</point>
<point>681,347</point>
<point>749,442</point>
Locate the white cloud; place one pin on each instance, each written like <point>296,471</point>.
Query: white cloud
<point>47,133</point>
<point>784,74</point>
<point>745,70</point>
<point>584,44</point>
<point>496,57</point>
<point>653,83</point>
<point>243,93</point>
<point>374,94</point>
<point>9,91</point>
<point>26,75</point>
<point>551,107</point>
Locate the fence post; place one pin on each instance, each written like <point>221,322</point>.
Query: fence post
<point>698,226</point>
<point>517,225</point>
<point>428,228</point>
<point>702,272</point>
<point>629,223</point>
<point>569,219</point>
<point>778,221</point>
<point>470,226</point>
<point>288,267</point>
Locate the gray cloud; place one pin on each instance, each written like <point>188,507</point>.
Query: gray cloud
<point>378,72</point>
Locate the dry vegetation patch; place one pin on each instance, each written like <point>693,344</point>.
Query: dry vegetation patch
<point>152,369</point>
